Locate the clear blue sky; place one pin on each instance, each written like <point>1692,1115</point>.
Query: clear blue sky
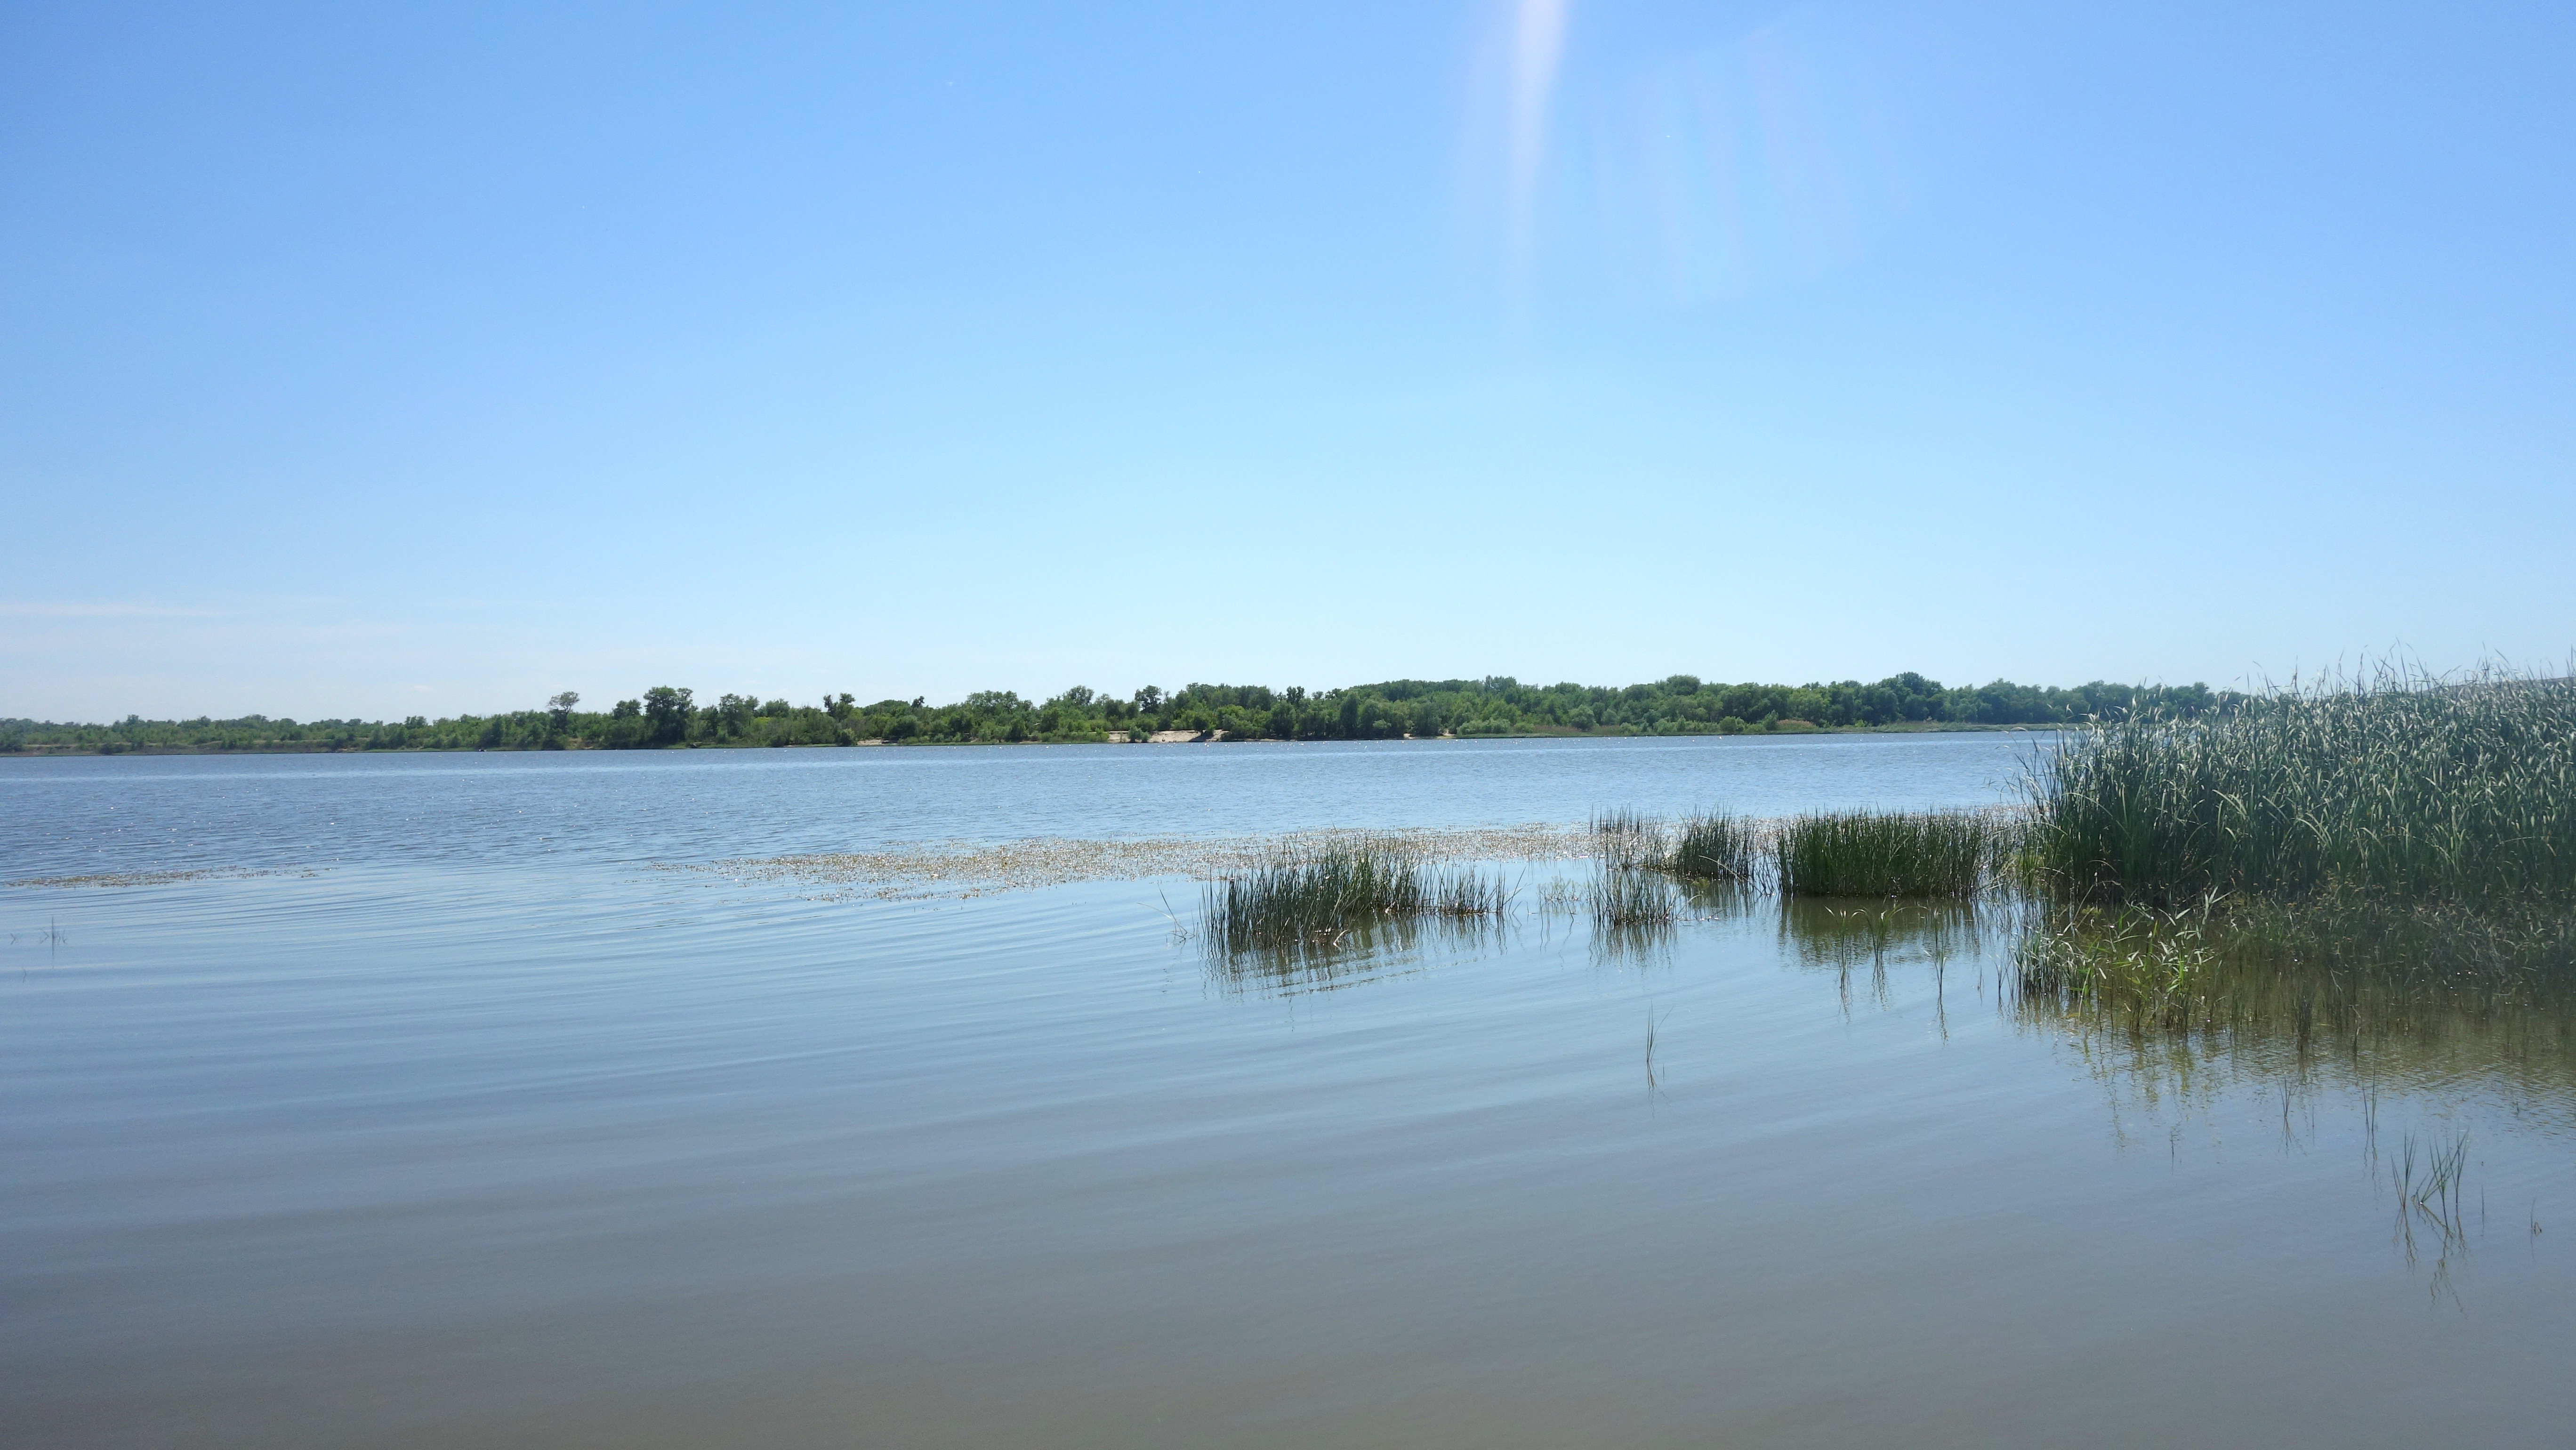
<point>378,360</point>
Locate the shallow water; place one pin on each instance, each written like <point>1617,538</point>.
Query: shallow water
<point>80,816</point>
<point>461,1126</point>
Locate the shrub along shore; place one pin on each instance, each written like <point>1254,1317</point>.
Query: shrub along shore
<point>668,717</point>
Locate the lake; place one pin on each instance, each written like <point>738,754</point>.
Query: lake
<point>489,1099</point>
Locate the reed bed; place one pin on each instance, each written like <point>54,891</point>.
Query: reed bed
<point>2397,785</point>
<point>1321,892</point>
<point>1889,854</point>
<point>1847,853</point>
<point>1710,846</point>
<point>1717,846</point>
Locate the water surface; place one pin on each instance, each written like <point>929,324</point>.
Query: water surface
<point>463,1125</point>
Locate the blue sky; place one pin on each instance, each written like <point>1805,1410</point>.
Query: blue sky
<point>382,360</point>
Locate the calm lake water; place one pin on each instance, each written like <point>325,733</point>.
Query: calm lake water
<point>441,1116</point>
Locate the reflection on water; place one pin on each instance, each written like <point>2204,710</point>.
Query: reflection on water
<point>2357,997</point>
<point>1638,946</point>
<point>1546,907</point>
<point>2179,1016</point>
<point>1557,908</point>
<point>1849,936</point>
<point>2164,1010</point>
<point>1840,936</point>
<point>1364,950</point>
<point>2354,999</point>
<point>2325,1010</point>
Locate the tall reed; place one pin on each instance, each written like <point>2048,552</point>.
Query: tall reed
<point>1884,854</point>
<point>1717,846</point>
<point>2395,784</point>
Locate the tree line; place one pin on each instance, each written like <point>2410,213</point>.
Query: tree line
<point>668,716</point>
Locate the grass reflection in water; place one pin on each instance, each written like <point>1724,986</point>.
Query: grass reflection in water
<point>1366,949</point>
<point>2356,993</point>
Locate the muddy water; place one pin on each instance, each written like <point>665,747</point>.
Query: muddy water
<point>461,1124</point>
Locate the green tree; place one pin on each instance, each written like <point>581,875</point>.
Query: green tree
<point>667,710</point>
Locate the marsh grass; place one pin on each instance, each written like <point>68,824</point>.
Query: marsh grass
<point>2396,784</point>
<point>1889,854</point>
<point>2136,953</point>
<point>2432,1192</point>
<point>1626,839</point>
<point>1717,846</point>
<point>2374,877</point>
<point>1308,894</point>
<point>1709,846</point>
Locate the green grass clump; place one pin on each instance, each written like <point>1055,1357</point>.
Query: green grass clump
<point>2399,786</point>
<point>1717,847</point>
<point>1311,893</point>
<point>1870,853</point>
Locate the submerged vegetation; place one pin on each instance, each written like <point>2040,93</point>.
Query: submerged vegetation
<point>1497,705</point>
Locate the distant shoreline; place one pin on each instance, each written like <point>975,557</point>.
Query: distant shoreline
<point>324,747</point>
<point>1495,707</point>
